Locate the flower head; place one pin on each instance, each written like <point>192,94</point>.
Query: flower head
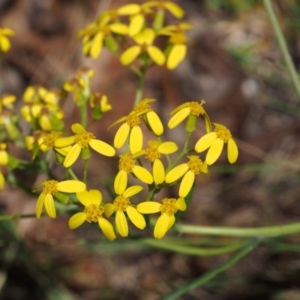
<point>4,41</point>
<point>122,205</point>
<point>214,142</point>
<point>144,44</point>
<point>81,140</point>
<point>93,212</point>
<point>52,187</point>
<point>188,170</point>
<point>168,208</point>
<point>170,6</point>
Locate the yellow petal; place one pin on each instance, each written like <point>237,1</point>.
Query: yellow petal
<point>156,55</point>
<point>135,217</point>
<point>121,224</point>
<point>174,9</point>
<point>107,228</point>
<point>49,205</point>
<point>102,147</point>
<point>180,203</point>
<point>120,182</point>
<point>109,209</point>
<point>155,123</point>
<point>143,174</point>
<point>214,151</point>
<point>71,186</point>
<point>149,207</point>
<point>72,156</point>
<point>121,135</point>
<point>232,151</point>
<point>119,28</point>
<point>77,220</point>
<point>39,205</point>
<point>64,142</point>
<point>206,141</point>
<point>84,198</point>
<point>4,44</point>
<point>158,172</point>
<point>133,190</point>
<point>77,128</point>
<point>128,9</point>
<point>45,123</point>
<point>3,158</point>
<point>130,55</point>
<point>136,139</point>
<point>95,197</point>
<point>136,24</point>
<point>147,36</point>
<point>167,148</point>
<point>96,45</point>
<point>176,55</point>
<point>186,184</point>
<point>176,173</point>
<point>179,117</point>
<point>161,226</point>
<point>2,182</point>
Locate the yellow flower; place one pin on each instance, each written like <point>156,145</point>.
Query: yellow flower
<point>127,165</point>
<point>137,15</point>
<point>190,169</point>
<point>178,42</point>
<point>144,42</point>
<point>93,212</point>
<point>100,100</point>
<point>95,34</point>
<point>150,116</point>
<point>6,102</point>
<point>4,41</point>
<point>82,140</point>
<point>122,204</point>
<point>214,141</point>
<point>50,188</point>
<point>172,7</point>
<point>168,209</point>
<point>190,110</point>
<point>153,154</point>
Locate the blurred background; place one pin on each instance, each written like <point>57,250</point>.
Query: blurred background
<point>234,64</point>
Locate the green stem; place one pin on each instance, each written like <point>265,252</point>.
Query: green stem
<point>85,170</point>
<point>70,171</point>
<point>141,77</point>
<point>271,231</point>
<point>212,273</point>
<point>282,45</point>
<point>187,250</point>
<point>8,218</point>
<point>83,114</point>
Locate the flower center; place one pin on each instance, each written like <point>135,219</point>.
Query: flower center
<point>126,163</point>
<point>83,138</point>
<point>133,120</point>
<point>93,212</point>
<point>50,187</point>
<point>197,108</point>
<point>152,154</point>
<point>142,106</point>
<point>169,206</point>
<point>121,203</point>
<point>223,133</point>
<point>50,138</point>
<point>195,164</point>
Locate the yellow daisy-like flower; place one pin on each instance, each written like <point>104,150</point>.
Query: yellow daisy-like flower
<point>52,187</point>
<point>191,110</point>
<point>144,41</point>
<point>93,212</point>
<point>150,117</point>
<point>82,140</point>
<point>122,204</point>
<point>153,154</point>
<point>4,41</point>
<point>170,6</point>
<point>137,15</point>
<point>94,35</point>
<point>129,129</point>
<point>168,209</point>
<point>127,165</point>
<point>189,171</point>
<point>178,43</point>
<point>214,141</point>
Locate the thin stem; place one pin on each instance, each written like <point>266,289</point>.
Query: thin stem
<point>282,45</point>
<point>212,273</point>
<point>140,86</point>
<point>85,170</point>
<point>13,217</point>
<point>83,114</point>
<point>271,231</point>
<point>70,171</point>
